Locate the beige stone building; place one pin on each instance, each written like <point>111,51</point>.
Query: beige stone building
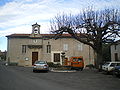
<point>25,49</point>
<point>115,51</point>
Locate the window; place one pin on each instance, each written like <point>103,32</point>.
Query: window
<point>80,47</point>
<point>112,64</point>
<point>106,64</point>
<point>118,64</point>
<point>115,46</point>
<point>74,59</point>
<point>56,57</point>
<point>116,56</point>
<point>23,48</point>
<point>79,59</point>
<point>65,47</point>
<point>48,48</point>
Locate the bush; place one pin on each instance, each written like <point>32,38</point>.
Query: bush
<point>57,65</point>
<point>90,66</point>
<point>51,64</point>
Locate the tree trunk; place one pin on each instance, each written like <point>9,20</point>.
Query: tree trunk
<point>98,59</point>
<point>98,49</point>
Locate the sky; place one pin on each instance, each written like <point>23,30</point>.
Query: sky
<point>17,16</point>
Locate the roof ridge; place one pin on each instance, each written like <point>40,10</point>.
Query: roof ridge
<point>28,35</point>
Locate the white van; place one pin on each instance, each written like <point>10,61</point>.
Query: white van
<point>109,66</point>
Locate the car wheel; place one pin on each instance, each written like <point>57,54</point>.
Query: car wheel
<point>34,71</point>
<point>113,73</point>
<point>81,69</point>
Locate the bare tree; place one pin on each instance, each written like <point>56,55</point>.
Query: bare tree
<point>96,27</point>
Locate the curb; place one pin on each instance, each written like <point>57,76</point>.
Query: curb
<point>63,70</point>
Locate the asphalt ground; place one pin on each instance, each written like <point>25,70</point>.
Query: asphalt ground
<point>22,78</point>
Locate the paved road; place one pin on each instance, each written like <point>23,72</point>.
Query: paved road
<point>22,78</point>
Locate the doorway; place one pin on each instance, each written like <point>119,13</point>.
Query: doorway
<point>34,57</point>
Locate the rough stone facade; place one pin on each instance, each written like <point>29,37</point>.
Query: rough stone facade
<point>24,49</point>
<point>115,51</point>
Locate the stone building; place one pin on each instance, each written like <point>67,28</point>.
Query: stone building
<point>25,49</point>
<point>115,51</point>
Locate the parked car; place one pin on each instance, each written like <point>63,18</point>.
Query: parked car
<point>109,66</point>
<point>116,71</point>
<point>40,66</point>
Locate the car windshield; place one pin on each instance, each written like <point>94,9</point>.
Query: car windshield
<point>40,62</point>
<point>74,59</point>
<point>106,64</point>
<point>112,64</point>
<point>79,59</point>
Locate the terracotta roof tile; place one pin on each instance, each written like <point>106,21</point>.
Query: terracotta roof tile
<point>43,35</point>
<point>40,34</point>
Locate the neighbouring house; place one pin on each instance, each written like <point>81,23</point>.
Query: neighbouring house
<point>25,49</point>
<point>3,55</point>
<point>115,51</point>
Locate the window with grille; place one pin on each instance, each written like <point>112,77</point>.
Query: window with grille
<point>56,57</point>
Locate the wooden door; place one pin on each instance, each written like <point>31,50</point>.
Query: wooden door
<point>34,57</point>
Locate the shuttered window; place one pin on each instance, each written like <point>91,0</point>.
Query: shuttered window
<point>48,48</point>
<point>24,48</point>
<point>65,47</point>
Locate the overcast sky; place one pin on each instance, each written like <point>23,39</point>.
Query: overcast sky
<point>17,16</point>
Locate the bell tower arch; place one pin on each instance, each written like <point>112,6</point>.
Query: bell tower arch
<point>36,29</point>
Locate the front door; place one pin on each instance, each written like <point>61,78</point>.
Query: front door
<point>34,57</point>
